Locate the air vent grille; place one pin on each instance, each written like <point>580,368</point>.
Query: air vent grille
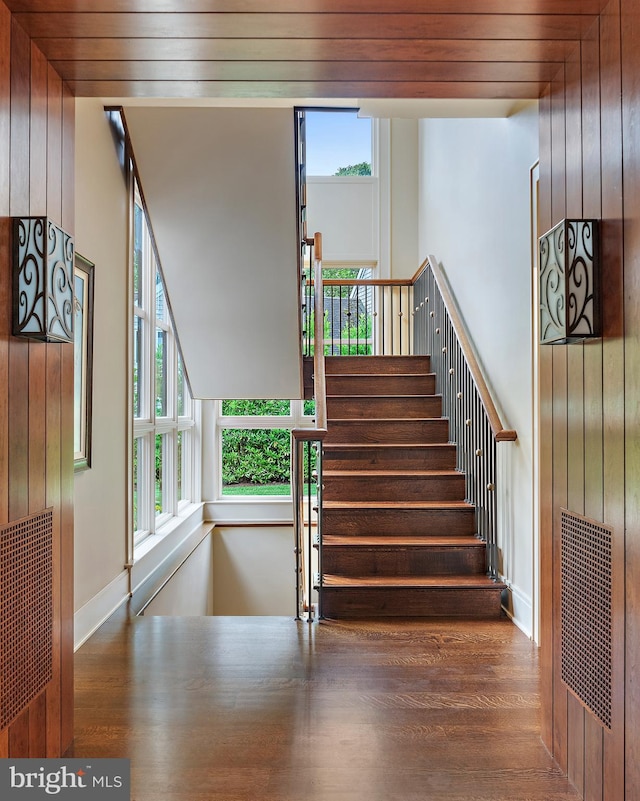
<point>26,612</point>
<point>586,612</point>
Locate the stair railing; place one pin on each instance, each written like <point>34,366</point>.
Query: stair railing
<point>363,317</point>
<point>474,422</point>
<point>419,316</point>
<point>306,446</point>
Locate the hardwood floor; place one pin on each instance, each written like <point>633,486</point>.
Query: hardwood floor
<point>270,709</point>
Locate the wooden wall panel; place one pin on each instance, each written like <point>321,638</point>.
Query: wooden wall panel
<point>613,372</point>
<point>594,414</point>
<point>36,380</point>
<point>37,350</point>
<point>19,205</point>
<point>559,413</point>
<point>5,297</point>
<point>66,548</point>
<point>545,460</point>
<point>54,410</point>
<point>592,351</point>
<point>54,144</point>
<point>38,726</point>
<point>19,735</point>
<point>631,162</point>
<point>53,499</point>
<point>574,387</point>
<point>38,124</point>
<point>592,207</point>
<point>66,456</point>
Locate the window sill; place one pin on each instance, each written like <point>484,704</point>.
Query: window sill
<point>237,510</point>
<point>186,515</point>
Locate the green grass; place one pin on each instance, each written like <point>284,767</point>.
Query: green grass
<point>257,489</point>
<point>260,489</point>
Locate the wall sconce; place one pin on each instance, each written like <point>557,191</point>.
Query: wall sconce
<point>570,282</point>
<point>42,280</point>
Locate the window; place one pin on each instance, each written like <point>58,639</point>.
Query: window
<point>163,411</point>
<point>337,143</point>
<point>254,445</point>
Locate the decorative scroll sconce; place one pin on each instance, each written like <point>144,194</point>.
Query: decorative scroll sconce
<point>570,282</point>
<point>42,280</point>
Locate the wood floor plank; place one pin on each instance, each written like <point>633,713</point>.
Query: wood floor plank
<point>271,708</point>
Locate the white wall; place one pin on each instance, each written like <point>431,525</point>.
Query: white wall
<point>101,236</point>
<point>344,209</point>
<point>254,571</point>
<point>102,581</point>
<point>190,590</point>
<point>219,185</point>
<point>403,205</point>
<point>474,210</point>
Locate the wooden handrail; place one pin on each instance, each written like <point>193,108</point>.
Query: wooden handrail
<point>501,433</point>
<point>319,429</point>
<point>365,282</point>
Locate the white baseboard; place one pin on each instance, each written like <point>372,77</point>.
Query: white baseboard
<point>156,558</point>
<point>93,614</point>
<point>520,609</point>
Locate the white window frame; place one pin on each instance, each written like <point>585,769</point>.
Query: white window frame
<point>149,424</point>
<point>295,419</point>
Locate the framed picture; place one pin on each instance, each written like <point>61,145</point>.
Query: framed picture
<point>83,361</point>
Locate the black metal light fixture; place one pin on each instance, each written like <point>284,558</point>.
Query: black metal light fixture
<point>42,280</point>
<point>570,283</point>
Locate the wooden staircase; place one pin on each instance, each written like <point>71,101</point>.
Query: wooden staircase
<point>398,537</point>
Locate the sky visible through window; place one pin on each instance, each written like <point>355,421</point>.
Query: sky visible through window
<point>335,140</point>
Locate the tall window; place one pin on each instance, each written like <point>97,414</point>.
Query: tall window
<point>163,418</point>
<point>254,445</point>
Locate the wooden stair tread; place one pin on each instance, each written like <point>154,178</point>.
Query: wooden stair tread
<point>427,582</point>
<point>381,365</point>
<point>377,375</point>
<point>357,446</point>
<point>398,541</point>
<point>440,505</point>
<point>374,420</point>
<point>400,472</point>
<point>390,552</point>
<point>382,395</point>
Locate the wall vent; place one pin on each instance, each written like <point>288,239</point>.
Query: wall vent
<point>26,612</point>
<point>586,612</point>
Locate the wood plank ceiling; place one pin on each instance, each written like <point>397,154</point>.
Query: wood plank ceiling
<point>314,49</point>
